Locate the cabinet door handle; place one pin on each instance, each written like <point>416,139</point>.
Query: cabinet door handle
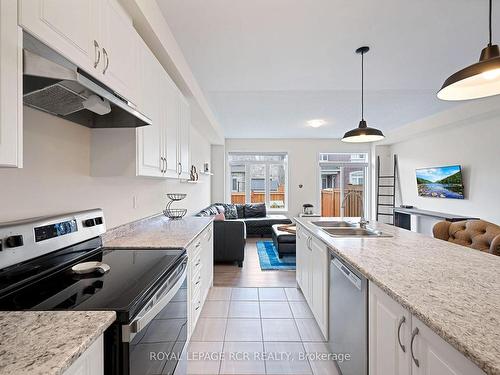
<point>414,333</point>
<point>161,164</point>
<point>97,53</point>
<point>180,168</point>
<point>403,319</point>
<point>105,53</point>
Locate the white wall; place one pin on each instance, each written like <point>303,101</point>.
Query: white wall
<point>473,144</point>
<point>218,168</point>
<point>303,168</point>
<point>56,177</point>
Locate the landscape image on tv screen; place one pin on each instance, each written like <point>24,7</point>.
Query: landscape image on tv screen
<point>440,182</point>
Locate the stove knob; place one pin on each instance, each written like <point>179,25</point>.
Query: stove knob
<point>89,223</point>
<point>14,241</point>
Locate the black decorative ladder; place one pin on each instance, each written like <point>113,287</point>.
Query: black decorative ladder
<point>386,190</point>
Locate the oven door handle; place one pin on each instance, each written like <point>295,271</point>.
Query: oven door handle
<point>147,316</point>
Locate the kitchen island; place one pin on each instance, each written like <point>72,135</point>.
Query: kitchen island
<point>453,290</point>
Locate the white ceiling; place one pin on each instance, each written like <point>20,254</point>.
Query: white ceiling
<point>268,66</point>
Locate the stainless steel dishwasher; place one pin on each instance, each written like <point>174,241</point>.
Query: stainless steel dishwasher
<point>348,323</point>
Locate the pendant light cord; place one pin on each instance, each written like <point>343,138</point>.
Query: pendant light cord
<point>362,86</point>
<point>491,7</point>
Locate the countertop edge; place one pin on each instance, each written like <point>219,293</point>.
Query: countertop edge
<point>450,339</point>
<point>33,346</point>
<point>126,230</point>
<point>86,344</point>
<point>198,233</point>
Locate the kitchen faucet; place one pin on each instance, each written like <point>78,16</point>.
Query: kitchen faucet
<point>362,220</point>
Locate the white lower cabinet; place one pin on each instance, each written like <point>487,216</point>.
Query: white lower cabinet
<point>401,344</point>
<point>200,274</point>
<point>435,356</point>
<point>91,362</point>
<point>312,275</point>
<point>389,332</point>
<point>302,251</point>
<point>319,283</point>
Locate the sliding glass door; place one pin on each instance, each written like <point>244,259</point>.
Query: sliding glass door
<point>343,184</point>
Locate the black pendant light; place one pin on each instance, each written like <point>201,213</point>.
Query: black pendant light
<point>479,80</point>
<point>362,133</point>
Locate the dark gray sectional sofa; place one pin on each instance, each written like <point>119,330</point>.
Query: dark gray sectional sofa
<point>240,221</point>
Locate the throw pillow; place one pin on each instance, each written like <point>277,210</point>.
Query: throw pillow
<point>231,212</point>
<point>255,210</point>
<point>219,217</point>
<point>220,208</point>
<point>240,209</point>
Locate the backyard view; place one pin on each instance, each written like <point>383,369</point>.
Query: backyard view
<point>342,176</point>
<point>259,178</point>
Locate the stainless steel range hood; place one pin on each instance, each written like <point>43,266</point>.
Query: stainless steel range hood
<point>54,85</point>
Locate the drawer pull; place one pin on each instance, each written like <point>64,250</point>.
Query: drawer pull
<point>97,53</point>
<point>403,319</point>
<point>415,333</point>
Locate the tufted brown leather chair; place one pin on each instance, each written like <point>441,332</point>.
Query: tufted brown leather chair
<point>477,234</point>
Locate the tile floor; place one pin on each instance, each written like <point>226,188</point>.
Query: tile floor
<point>250,275</point>
<point>257,331</point>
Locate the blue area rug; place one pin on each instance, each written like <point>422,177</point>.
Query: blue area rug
<point>269,260</point>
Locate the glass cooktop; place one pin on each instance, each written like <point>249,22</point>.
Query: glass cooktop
<point>132,274</point>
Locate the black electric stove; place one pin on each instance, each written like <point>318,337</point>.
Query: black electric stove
<point>144,287</point>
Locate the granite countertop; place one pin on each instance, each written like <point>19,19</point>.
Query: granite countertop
<point>156,232</point>
<point>47,342</point>
<point>452,289</point>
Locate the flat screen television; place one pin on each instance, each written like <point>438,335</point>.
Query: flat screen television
<point>440,182</point>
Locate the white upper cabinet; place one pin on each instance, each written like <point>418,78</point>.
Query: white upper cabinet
<point>177,131</point>
<point>389,334</point>
<point>172,108</point>
<point>71,27</point>
<point>119,50</point>
<point>163,147</point>
<point>11,87</point>
<point>96,35</point>
<point>99,37</point>
<point>150,147</point>
<point>184,132</point>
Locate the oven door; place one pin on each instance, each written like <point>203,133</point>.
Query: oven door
<point>157,335</point>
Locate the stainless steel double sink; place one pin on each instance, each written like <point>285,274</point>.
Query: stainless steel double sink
<point>348,229</point>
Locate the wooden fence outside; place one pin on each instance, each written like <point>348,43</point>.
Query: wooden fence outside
<point>256,197</point>
<point>259,196</point>
<point>330,202</point>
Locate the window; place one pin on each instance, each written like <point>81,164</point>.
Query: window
<point>259,178</point>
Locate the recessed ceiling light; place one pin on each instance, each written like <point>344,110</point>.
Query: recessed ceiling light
<point>316,123</point>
